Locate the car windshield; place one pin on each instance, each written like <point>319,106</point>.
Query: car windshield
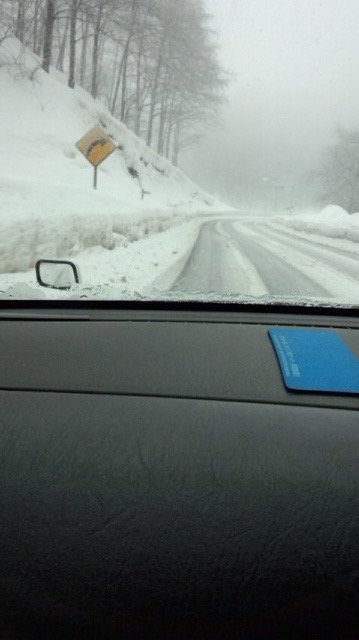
<point>202,150</point>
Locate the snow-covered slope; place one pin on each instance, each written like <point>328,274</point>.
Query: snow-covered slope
<point>48,207</point>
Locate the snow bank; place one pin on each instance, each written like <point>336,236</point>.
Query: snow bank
<point>48,207</point>
<point>41,232</point>
<point>332,222</point>
<point>126,272</point>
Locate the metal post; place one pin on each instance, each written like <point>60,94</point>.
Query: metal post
<point>95,178</point>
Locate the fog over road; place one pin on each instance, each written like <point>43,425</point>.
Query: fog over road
<point>254,257</point>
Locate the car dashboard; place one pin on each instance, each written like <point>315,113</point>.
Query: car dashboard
<point>159,480</point>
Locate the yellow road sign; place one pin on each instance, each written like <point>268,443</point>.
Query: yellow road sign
<point>96,146</point>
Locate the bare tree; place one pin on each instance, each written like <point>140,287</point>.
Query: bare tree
<point>83,57</point>
<point>37,26</point>
<point>49,29</point>
<point>338,177</point>
<point>6,22</point>
<point>63,41</point>
<point>154,62</point>
<point>98,15</point>
<point>20,22</point>
<point>73,20</point>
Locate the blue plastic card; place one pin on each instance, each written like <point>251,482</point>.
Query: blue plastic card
<point>315,360</point>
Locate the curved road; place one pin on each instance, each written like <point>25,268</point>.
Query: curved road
<point>214,263</point>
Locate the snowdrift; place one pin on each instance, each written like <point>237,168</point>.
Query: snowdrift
<point>332,222</point>
<point>48,207</point>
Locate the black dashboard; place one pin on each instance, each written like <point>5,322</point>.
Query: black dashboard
<point>158,480</point>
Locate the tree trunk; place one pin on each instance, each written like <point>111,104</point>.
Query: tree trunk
<point>36,26</point>
<point>119,76</point>
<point>20,21</point>
<point>113,75</point>
<point>61,56</point>
<point>40,29</point>
<point>83,58</point>
<point>124,79</point>
<point>125,60</point>
<point>139,106</point>
<point>101,51</point>
<point>176,144</point>
<point>168,139</point>
<point>49,29</point>
<point>169,129</point>
<point>94,65</point>
<point>73,19</point>
<point>154,94</point>
<point>95,50</point>
<point>161,128</point>
<point>138,88</point>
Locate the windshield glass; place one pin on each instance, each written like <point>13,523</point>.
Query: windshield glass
<point>180,150</point>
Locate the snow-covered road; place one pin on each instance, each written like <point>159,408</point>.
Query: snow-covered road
<point>246,258</point>
<point>216,258</point>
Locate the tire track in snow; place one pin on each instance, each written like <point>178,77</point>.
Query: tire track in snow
<point>214,266</point>
<point>279,277</point>
<point>328,276</point>
<point>293,234</point>
<point>342,262</point>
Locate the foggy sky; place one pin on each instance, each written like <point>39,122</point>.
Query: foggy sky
<point>296,79</point>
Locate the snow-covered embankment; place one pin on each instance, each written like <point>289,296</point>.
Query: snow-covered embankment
<point>331,222</point>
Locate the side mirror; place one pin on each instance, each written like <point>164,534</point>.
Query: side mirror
<point>56,274</point>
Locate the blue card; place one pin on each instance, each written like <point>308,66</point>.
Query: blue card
<point>315,360</point>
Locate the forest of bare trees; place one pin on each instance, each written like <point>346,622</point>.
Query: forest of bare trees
<point>154,63</point>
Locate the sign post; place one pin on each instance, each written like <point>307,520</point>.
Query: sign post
<point>96,146</point>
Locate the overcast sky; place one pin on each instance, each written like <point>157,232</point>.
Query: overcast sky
<point>296,78</point>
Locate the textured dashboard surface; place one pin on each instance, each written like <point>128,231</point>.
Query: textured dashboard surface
<point>130,517</point>
<point>175,359</point>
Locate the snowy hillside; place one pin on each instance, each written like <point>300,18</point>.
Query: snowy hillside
<point>48,207</point>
